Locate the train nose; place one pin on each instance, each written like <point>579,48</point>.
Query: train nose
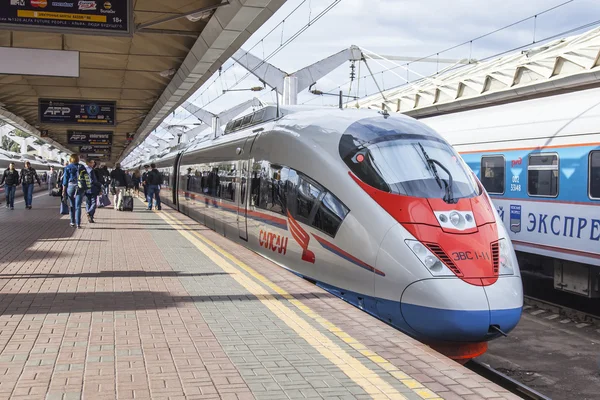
<point>452,310</point>
<point>447,310</point>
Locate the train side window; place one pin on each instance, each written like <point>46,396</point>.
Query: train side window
<point>255,184</point>
<point>307,196</point>
<point>269,192</point>
<point>493,173</point>
<point>329,215</point>
<point>212,183</point>
<point>594,175</point>
<point>226,179</point>
<point>542,175</point>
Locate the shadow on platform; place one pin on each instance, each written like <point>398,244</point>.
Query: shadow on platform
<point>113,274</point>
<point>31,255</point>
<point>58,303</point>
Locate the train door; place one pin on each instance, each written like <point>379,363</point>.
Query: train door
<point>243,194</point>
<point>242,203</point>
<point>175,181</point>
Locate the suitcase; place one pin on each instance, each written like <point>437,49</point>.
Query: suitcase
<point>126,203</point>
<point>103,201</point>
<point>56,192</point>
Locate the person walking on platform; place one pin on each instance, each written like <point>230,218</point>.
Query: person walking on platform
<point>72,194</point>
<point>118,183</point>
<point>144,184</point>
<point>104,177</point>
<point>60,177</point>
<point>28,178</point>
<point>92,193</point>
<point>136,177</point>
<point>10,179</point>
<point>154,180</point>
<point>52,179</point>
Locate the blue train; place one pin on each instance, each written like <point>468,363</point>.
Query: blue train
<point>539,160</point>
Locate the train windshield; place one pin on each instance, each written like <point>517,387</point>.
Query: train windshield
<point>405,157</point>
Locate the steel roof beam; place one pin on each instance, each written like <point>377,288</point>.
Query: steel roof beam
<point>225,32</point>
<point>142,27</point>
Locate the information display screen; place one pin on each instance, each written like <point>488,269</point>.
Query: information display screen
<point>68,15</point>
<point>106,150</point>
<point>89,138</point>
<point>77,112</point>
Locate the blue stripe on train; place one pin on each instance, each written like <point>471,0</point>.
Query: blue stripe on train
<point>430,323</point>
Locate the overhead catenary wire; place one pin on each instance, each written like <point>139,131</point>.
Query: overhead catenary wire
<point>495,55</point>
<point>261,42</point>
<point>277,50</point>
<point>547,38</point>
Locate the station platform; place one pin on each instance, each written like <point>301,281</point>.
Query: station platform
<point>152,305</point>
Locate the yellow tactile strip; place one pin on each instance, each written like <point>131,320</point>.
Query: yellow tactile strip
<point>369,380</point>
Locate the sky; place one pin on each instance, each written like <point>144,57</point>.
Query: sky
<point>416,28</point>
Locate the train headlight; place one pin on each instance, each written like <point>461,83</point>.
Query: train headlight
<point>455,218</point>
<point>506,262</point>
<point>428,259</point>
<point>419,249</point>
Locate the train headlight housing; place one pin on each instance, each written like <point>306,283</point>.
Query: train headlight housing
<point>506,261</point>
<point>428,259</point>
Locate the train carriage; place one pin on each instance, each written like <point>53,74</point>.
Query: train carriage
<point>539,160</point>
<point>377,209</point>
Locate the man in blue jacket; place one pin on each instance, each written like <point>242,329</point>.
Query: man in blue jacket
<point>91,194</point>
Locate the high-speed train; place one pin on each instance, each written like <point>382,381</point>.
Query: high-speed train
<point>539,159</point>
<point>377,209</point>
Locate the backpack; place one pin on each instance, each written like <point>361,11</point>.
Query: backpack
<point>83,180</point>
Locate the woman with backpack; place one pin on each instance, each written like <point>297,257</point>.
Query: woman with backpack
<point>72,193</point>
<point>28,178</point>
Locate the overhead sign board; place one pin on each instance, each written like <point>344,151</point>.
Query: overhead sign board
<point>95,150</point>
<point>68,16</point>
<point>19,61</point>
<point>89,138</point>
<point>77,112</point>
<point>95,156</point>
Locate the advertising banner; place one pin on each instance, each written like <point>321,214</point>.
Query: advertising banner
<point>77,112</point>
<point>89,138</point>
<point>95,149</point>
<point>64,16</point>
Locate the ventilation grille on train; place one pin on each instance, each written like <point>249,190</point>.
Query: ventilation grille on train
<point>495,257</point>
<point>437,250</point>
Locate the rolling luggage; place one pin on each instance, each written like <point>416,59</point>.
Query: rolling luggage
<point>126,202</point>
<point>103,200</point>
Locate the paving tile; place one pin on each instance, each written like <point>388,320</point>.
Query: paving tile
<point>128,308</point>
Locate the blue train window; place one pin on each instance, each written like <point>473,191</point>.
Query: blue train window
<point>542,175</point>
<point>594,175</point>
<point>493,174</point>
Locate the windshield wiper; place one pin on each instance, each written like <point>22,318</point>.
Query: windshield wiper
<point>448,197</point>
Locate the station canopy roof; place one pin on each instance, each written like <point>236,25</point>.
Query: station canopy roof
<point>560,65</point>
<point>171,48</point>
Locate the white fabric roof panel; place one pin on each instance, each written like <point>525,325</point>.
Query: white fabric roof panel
<point>560,64</point>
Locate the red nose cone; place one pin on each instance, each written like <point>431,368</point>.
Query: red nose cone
<point>471,253</point>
